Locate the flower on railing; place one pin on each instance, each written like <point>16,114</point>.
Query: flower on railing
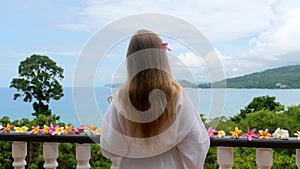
<point>281,134</point>
<point>35,130</point>
<point>59,130</point>
<point>221,133</point>
<point>211,132</point>
<point>55,130</point>
<point>297,134</point>
<point>264,134</point>
<point>22,129</point>
<point>250,134</point>
<point>69,129</point>
<point>52,130</point>
<point>98,131</point>
<point>46,129</point>
<point>236,133</point>
<point>7,128</point>
<point>91,129</point>
<point>79,129</point>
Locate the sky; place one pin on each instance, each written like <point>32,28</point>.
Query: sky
<point>247,35</point>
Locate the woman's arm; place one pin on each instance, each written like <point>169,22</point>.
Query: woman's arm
<point>194,147</point>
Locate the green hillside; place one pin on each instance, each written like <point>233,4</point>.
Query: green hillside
<point>283,77</point>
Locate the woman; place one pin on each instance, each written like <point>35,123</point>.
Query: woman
<point>152,123</point>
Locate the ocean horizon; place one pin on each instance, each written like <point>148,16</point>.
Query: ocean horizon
<point>235,100</point>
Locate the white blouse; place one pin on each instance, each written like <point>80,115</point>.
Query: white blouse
<point>183,146</point>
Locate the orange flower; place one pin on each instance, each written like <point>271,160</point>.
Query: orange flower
<point>236,133</point>
<point>7,128</point>
<point>69,129</point>
<point>264,134</point>
<point>46,129</point>
<point>35,130</point>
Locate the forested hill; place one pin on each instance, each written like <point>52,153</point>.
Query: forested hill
<point>283,77</point>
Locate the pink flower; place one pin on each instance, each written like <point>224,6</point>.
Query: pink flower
<point>250,134</point>
<point>211,132</point>
<point>51,130</point>
<point>55,130</point>
<point>165,45</point>
<point>79,129</point>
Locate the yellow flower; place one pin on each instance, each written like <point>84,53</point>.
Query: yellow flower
<point>298,135</point>
<point>46,129</point>
<point>221,133</point>
<point>69,129</point>
<point>98,131</point>
<point>91,128</point>
<point>59,130</point>
<point>35,130</point>
<point>21,129</point>
<point>236,133</point>
<point>17,129</point>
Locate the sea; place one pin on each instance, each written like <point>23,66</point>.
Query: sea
<point>210,102</point>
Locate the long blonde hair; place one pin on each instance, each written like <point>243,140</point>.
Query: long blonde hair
<point>148,70</point>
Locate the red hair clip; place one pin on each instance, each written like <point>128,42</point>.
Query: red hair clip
<point>165,45</point>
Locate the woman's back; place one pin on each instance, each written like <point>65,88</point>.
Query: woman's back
<point>185,143</point>
<point>152,123</point>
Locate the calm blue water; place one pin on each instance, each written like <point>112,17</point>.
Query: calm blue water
<point>236,99</point>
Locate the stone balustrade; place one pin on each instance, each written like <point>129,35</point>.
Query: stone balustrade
<point>264,155</point>
<point>50,148</point>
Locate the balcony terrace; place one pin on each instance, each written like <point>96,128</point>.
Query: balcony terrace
<point>264,155</point>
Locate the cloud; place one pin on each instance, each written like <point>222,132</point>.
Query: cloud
<point>206,68</point>
<point>279,44</point>
<point>273,24</point>
<point>214,66</point>
<point>218,20</point>
<point>236,65</point>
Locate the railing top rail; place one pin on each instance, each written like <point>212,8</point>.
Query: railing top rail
<point>84,138</point>
<point>69,138</point>
<point>266,143</point>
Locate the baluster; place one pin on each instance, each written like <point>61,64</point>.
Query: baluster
<point>264,158</point>
<point>19,153</point>
<point>225,157</point>
<point>83,155</point>
<point>298,158</point>
<point>50,153</point>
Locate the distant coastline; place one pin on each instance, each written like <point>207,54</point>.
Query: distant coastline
<point>286,77</point>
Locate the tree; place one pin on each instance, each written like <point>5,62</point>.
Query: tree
<point>257,104</point>
<point>38,80</point>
